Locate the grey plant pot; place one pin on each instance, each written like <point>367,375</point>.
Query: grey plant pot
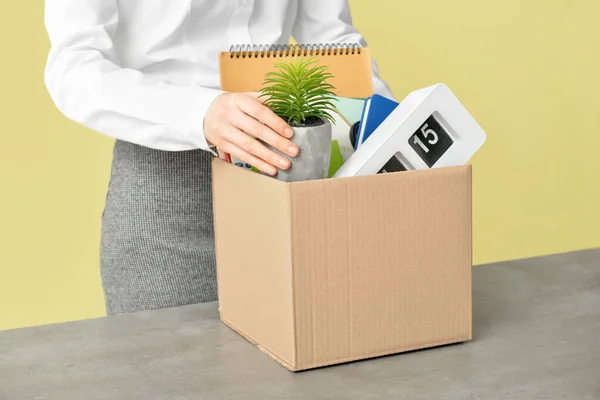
<point>314,142</point>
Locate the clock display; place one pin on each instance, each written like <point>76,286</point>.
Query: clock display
<point>393,165</point>
<point>430,141</point>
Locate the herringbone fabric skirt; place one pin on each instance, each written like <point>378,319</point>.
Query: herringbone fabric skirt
<point>157,242</point>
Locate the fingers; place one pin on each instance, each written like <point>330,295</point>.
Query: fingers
<point>259,111</point>
<point>247,158</point>
<point>251,151</point>
<point>259,130</point>
<point>235,122</point>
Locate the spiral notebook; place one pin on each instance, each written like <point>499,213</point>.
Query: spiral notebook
<point>243,67</point>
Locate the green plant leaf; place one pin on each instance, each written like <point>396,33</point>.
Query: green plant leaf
<point>299,90</point>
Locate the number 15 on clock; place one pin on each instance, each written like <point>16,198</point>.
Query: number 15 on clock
<point>430,141</point>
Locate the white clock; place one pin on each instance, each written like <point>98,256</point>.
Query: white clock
<point>430,128</point>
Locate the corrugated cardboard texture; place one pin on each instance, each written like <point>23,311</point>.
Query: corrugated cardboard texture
<point>252,239</point>
<point>381,264</point>
<point>322,272</point>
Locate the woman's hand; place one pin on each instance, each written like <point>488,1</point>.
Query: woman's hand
<point>235,120</point>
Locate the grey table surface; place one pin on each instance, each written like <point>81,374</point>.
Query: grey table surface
<point>536,336</point>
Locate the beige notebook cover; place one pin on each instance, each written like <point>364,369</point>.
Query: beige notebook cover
<point>243,68</point>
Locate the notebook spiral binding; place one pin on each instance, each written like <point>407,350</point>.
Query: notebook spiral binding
<point>284,50</point>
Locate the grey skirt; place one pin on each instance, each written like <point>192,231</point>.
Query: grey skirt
<point>157,240</point>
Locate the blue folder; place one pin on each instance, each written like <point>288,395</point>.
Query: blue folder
<point>376,109</point>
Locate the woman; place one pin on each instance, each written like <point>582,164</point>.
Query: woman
<point>146,74</point>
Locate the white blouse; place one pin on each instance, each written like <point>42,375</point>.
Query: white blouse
<point>146,71</point>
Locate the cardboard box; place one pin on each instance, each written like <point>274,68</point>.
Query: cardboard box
<point>323,272</point>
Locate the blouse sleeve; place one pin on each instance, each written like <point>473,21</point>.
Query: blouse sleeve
<point>87,84</point>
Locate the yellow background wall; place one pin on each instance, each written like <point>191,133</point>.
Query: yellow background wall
<point>527,70</point>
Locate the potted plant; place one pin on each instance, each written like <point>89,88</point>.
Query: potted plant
<point>299,93</point>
